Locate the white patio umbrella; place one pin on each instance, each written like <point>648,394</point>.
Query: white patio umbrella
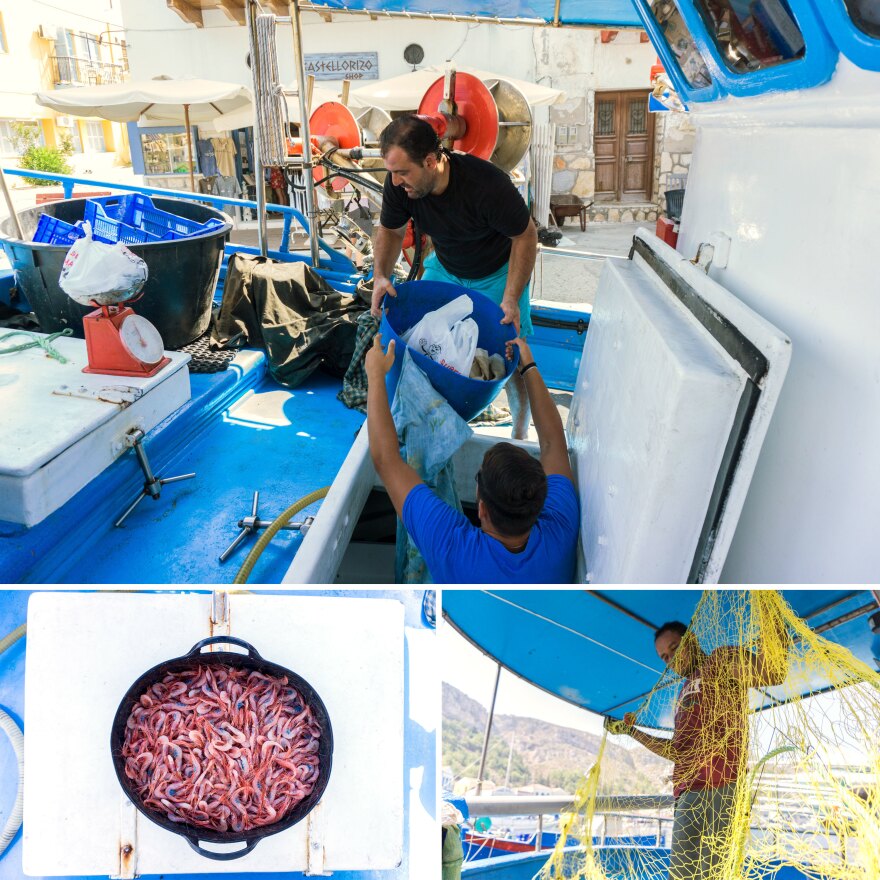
<point>244,116</point>
<point>159,101</point>
<point>404,92</point>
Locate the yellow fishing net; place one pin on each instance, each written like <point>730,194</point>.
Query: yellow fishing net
<point>788,792</point>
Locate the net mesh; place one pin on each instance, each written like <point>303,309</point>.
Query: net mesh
<point>790,791</point>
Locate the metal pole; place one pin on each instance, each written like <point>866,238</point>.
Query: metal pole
<point>486,734</point>
<point>189,147</point>
<point>539,837</point>
<point>305,134</point>
<point>6,195</point>
<point>258,161</point>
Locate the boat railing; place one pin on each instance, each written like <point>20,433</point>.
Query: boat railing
<point>546,271</point>
<point>337,263</point>
<point>623,806</point>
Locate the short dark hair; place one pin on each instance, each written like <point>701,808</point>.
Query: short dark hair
<point>675,626</point>
<point>513,486</point>
<point>413,135</point>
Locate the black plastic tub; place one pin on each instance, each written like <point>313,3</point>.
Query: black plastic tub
<point>253,661</point>
<point>182,274</point>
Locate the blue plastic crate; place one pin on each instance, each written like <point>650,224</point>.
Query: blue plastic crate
<point>51,230</point>
<point>110,230</point>
<point>138,210</point>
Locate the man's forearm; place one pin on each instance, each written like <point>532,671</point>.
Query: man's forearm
<point>659,746</point>
<point>386,250</point>
<point>522,263</point>
<point>380,424</point>
<point>545,415</point>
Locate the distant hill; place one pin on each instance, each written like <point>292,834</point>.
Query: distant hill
<point>541,752</point>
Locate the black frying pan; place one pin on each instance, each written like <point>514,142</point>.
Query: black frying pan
<point>252,661</point>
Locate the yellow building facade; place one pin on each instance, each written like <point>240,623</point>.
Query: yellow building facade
<point>71,43</point>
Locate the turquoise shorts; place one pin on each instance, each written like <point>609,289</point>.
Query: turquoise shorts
<point>492,286</point>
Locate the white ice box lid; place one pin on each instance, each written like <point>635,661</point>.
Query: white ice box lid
<point>61,428</point>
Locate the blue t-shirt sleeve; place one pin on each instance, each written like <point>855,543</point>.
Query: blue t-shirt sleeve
<point>437,530</point>
<point>561,511</point>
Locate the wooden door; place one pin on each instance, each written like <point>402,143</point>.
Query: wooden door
<point>623,143</point>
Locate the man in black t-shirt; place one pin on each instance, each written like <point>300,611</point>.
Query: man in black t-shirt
<point>483,235</point>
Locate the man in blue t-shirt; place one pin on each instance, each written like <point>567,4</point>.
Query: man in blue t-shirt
<point>483,236</point>
<point>528,510</point>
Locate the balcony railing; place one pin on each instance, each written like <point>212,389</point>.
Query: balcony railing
<point>71,70</point>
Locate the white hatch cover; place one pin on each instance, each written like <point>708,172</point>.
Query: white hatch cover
<point>84,651</point>
<point>674,394</point>
<point>62,427</point>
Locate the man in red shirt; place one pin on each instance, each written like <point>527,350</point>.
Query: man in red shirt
<point>709,746</point>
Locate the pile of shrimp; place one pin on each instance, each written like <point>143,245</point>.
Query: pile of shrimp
<point>222,748</point>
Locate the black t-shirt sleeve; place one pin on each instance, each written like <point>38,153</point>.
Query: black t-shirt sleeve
<point>395,211</point>
<point>505,210</point>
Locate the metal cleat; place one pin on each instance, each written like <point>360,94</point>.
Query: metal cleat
<point>152,484</point>
<point>250,525</point>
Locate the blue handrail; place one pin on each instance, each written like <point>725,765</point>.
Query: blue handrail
<point>337,261</point>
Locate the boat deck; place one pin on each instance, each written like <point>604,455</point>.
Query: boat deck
<point>241,432</point>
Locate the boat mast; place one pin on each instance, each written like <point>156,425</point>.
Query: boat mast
<point>488,732</point>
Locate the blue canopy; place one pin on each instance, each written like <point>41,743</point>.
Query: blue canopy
<point>595,649</point>
<point>607,13</point>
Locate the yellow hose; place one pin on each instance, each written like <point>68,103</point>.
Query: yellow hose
<point>12,638</point>
<point>248,565</point>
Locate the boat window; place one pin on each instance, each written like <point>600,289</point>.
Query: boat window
<point>753,34</point>
<point>681,43</point>
<point>865,15</point>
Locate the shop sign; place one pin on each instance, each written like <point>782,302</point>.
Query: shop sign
<point>343,65</point>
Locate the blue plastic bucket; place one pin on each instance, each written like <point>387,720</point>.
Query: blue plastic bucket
<point>468,397</point>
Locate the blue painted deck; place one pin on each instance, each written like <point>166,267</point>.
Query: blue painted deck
<point>419,744</point>
<point>178,538</point>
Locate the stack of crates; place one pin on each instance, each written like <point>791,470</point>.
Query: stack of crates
<point>131,219</point>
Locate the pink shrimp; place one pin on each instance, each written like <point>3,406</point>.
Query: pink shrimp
<point>222,748</point>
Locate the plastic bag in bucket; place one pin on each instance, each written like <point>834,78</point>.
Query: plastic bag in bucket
<point>468,397</point>
<point>447,335</point>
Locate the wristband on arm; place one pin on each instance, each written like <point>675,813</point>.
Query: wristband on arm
<point>529,366</point>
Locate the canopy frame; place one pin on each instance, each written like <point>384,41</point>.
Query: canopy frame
<point>324,10</point>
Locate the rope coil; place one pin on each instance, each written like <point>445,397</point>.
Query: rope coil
<point>37,341</point>
<point>269,105</point>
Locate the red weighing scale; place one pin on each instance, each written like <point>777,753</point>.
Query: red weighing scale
<point>121,343</point>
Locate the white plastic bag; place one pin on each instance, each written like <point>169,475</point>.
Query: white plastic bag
<point>447,335</point>
<point>103,273</point>
<point>444,317</point>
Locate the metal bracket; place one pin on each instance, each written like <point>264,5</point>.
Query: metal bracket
<point>127,841</point>
<point>315,866</point>
<point>221,624</point>
<point>120,442</point>
<point>714,252</point>
<point>122,395</point>
<point>152,484</point>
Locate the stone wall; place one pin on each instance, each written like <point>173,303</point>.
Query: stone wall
<point>581,64</point>
<point>677,145</point>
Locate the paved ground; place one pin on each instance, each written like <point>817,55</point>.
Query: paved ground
<point>569,273</point>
